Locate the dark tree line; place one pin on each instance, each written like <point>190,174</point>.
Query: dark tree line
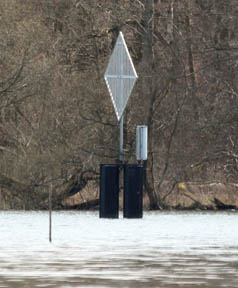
<point>57,122</point>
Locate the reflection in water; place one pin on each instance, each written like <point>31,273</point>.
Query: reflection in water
<point>164,249</point>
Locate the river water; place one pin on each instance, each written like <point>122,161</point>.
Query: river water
<point>164,249</point>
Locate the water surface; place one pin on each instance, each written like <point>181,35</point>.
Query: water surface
<point>164,249</point>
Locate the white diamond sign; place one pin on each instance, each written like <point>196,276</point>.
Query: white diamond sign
<point>120,76</point>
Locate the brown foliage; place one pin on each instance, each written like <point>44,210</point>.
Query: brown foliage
<point>56,117</point>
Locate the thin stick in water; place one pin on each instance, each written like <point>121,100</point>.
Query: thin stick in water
<point>50,213</point>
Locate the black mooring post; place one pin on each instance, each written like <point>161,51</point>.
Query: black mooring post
<point>133,191</point>
<point>109,191</point>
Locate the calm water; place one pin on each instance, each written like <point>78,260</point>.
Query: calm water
<point>164,249</point>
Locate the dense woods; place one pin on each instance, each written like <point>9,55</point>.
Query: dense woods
<point>57,122</point>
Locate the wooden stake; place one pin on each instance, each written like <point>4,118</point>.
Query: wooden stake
<point>50,213</point>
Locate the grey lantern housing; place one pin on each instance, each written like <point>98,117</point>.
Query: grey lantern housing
<point>141,142</point>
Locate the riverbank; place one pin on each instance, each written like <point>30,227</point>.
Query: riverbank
<point>183,196</point>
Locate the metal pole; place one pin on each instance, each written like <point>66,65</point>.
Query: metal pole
<point>121,140</point>
<point>50,213</point>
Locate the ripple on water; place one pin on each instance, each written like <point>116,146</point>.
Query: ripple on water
<point>164,249</point>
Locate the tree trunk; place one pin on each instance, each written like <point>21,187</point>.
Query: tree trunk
<point>148,60</point>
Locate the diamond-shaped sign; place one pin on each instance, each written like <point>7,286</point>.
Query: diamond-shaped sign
<point>120,76</point>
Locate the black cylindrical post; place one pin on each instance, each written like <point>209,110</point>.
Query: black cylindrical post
<point>133,191</point>
<point>109,191</point>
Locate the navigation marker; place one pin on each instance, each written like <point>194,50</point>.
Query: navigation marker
<point>120,77</point>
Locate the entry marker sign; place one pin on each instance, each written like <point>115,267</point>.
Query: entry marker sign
<point>120,76</point>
